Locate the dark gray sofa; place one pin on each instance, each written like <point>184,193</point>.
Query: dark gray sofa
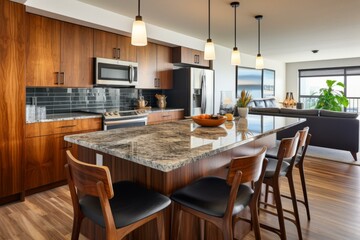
<point>329,129</point>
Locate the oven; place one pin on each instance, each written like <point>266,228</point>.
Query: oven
<point>124,119</point>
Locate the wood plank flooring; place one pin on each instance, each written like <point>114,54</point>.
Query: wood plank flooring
<point>333,188</point>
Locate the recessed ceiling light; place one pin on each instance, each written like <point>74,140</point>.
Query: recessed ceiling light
<point>315,51</point>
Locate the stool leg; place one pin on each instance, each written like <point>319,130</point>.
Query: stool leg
<point>303,185</point>
<point>279,208</point>
<point>202,229</point>
<point>294,202</point>
<point>160,226</point>
<point>177,215</point>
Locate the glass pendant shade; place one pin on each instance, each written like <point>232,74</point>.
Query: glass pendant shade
<point>235,57</point>
<point>259,64</point>
<point>138,34</point>
<point>209,50</point>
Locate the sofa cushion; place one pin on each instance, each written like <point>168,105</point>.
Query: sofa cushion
<point>270,103</point>
<point>328,113</point>
<point>259,103</point>
<point>265,110</point>
<point>307,112</point>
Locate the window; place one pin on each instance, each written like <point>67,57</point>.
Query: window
<point>311,80</point>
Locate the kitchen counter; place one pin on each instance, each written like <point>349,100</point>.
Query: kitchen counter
<point>84,115</point>
<point>66,116</point>
<point>169,146</point>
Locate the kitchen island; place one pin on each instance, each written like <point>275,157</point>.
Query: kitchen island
<point>169,156</point>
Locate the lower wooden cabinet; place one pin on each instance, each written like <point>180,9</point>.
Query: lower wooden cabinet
<point>45,151</point>
<point>165,116</point>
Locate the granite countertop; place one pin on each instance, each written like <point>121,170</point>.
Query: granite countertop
<point>66,116</point>
<point>84,115</point>
<point>171,145</point>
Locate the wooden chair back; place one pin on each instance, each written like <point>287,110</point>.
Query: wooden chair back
<point>86,177</point>
<point>249,166</point>
<point>288,147</point>
<point>303,136</point>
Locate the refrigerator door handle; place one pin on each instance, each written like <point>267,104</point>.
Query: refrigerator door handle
<point>203,94</point>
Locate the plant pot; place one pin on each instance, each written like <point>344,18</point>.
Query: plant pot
<point>243,112</point>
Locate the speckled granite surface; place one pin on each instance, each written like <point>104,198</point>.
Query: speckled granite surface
<point>84,115</point>
<point>66,116</point>
<point>171,145</point>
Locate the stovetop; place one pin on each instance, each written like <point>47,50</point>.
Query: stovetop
<point>118,114</point>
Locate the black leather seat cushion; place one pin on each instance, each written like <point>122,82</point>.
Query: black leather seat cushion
<point>210,195</point>
<point>130,203</point>
<point>272,153</point>
<point>271,167</point>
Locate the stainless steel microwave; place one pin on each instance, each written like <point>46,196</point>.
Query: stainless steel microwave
<point>112,72</point>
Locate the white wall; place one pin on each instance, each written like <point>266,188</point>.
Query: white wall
<point>84,14</point>
<point>292,70</point>
<point>225,73</point>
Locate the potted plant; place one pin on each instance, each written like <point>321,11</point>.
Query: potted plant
<point>243,102</point>
<point>332,99</point>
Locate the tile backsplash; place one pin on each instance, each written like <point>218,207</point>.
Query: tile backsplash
<point>65,100</point>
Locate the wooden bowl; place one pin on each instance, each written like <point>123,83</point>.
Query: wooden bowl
<point>209,122</point>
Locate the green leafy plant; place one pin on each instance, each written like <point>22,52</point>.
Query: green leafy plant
<point>244,99</point>
<point>332,99</point>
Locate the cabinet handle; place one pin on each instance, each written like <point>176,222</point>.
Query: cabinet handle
<point>115,53</point>
<point>67,126</point>
<point>57,77</point>
<point>197,58</point>
<point>61,78</point>
<point>118,53</point>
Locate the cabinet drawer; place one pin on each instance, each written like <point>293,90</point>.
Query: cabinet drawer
<point>166,116</point>
<point>67,126</point>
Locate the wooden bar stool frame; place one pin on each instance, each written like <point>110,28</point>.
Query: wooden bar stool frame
<point>95,180</point>
<point>287,150</point>
<point>242,170</point>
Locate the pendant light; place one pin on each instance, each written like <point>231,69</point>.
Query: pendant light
<point>259,59</point>
<point>235,55</point>
<point>209,52</point>
<point>138,34</point>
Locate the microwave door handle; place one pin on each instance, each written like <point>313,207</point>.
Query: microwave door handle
<point>203,94</point>
<point>131,73</point>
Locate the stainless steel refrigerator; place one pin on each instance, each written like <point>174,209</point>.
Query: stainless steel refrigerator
<point>193,90</point>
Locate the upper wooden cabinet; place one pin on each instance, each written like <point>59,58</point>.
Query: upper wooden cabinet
<point>58,53</point>
<point>183,55</point>
<point>155,67</point>
<point>110,45</point>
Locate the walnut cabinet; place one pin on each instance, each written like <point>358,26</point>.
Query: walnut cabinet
<point>12,100</point>
<point>58,54</point>
<point>45,151</point>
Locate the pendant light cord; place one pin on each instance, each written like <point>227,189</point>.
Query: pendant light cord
<point>138,7</point>
<point>208,18</point>
<point>235,25</point>
<point>259,36</point>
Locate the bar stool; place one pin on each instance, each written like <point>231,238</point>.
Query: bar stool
<point>276,169</point>
<point>119,208</point>
<point>219,200</point>
<point>305,138</point>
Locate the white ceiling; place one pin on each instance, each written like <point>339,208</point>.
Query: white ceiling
<point>290,29</point>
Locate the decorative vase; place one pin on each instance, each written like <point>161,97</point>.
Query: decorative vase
<point>243,112</point>
<point>161,103</point>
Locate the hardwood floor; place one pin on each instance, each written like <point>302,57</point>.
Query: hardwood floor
<point>333,188</point>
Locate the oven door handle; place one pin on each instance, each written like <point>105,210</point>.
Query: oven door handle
<point>119,122</point>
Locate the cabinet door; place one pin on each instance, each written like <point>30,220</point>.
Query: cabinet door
<point>147,77</point>
<point>188,56</point>
<point>42,51</point>
<point>164,66</point>
<point>105,44</point>
<point>12,97</point>
<point>77,44</point>
<point>127,51</point>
